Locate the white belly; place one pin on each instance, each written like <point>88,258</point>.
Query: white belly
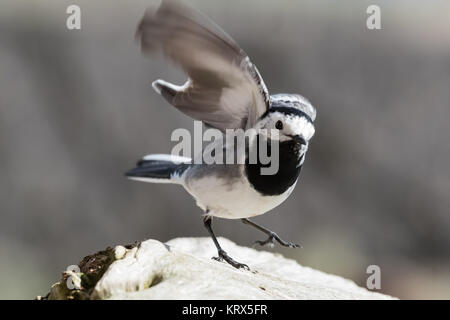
<point>234,200</point>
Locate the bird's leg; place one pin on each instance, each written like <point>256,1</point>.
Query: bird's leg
<point>272,236</point>
<point>222,254</point>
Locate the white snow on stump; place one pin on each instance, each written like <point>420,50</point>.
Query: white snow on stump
<point>183,269</point>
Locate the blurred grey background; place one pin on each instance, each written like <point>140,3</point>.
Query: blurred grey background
<point>77,110</point>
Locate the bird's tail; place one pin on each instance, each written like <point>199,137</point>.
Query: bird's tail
<point>160,168</point>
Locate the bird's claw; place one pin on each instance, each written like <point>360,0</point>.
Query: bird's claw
<point>271,242</point>
<point>224,256</point>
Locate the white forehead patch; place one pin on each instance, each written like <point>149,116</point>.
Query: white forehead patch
<point>292,125</point>
<point>298,125</point>
<point>295,125</point>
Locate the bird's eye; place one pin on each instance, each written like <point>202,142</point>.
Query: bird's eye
<point>279,125</point>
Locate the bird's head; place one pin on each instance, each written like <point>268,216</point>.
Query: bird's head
<point>292,116</point>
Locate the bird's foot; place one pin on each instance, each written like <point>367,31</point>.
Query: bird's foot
<point>224,256</point>
<point>271,241</point>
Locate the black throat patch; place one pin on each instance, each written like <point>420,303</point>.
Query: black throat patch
<point>288,172</point>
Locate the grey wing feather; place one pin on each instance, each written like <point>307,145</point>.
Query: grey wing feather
<point>225,90</point>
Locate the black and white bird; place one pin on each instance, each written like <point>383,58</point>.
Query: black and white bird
<point>224,90</point>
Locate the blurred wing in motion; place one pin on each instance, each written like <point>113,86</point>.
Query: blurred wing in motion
<point>224,89</point>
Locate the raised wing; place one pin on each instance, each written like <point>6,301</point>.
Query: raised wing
<point>224,89</point>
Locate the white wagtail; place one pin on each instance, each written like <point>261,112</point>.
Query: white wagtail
<point>225,91</point>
